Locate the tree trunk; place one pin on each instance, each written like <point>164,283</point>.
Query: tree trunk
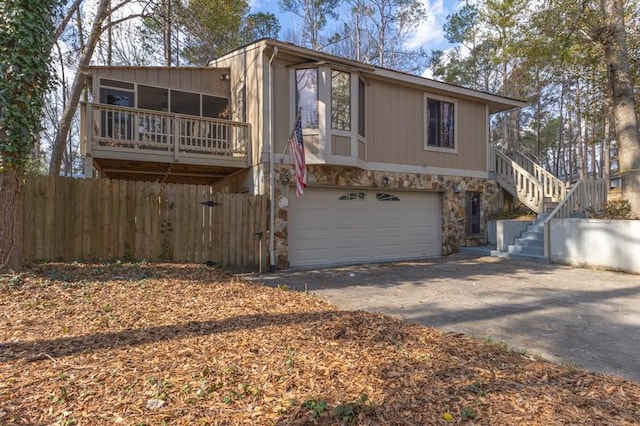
<point>606,157</point>
<point>624,111</point>
<point>167,23</point>
<point>10,221</point>
<point>560,150</point>
<point>58,149</point>
<point>580,136</point>
<point>593,149</point>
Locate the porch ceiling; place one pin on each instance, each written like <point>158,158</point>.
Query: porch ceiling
<point>151,171</point>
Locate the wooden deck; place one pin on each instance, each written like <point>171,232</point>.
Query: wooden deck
<point>132,143</point>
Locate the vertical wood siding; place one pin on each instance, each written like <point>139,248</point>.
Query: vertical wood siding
<point>100,219</point>
<point>198,80</point>
<point>395,130</point>
<point>247,80</point>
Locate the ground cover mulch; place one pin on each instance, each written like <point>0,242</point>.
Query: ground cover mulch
<point>148,344</point>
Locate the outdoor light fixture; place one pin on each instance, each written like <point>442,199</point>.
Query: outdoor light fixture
<point>385,180</point>
<point>285,178</point>
<point>224,77</point>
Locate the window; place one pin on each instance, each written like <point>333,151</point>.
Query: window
<point>361,107</point>
<point>154,98</point>
<point>340,100</point>
<point>215,107</point>
<point>185,102</point>
<point>381,196</point>
<point>307,97</point>
<point>472,213</point>
<point>352,196</point>
<point>440,124</point>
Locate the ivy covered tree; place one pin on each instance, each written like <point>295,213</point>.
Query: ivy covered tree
<point>26,36</point>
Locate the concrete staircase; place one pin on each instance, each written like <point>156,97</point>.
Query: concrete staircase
<point>530,244</point>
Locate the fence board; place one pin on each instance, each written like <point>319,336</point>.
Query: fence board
<point>87,225</point>
<point>28,214</point>
<point>226,230</point>
<point>217,214</point>
<point>106,251</point>
<point>97,219</point>
<point>39,218</point>
<point>138,218</point>
<point>49,217</point>
<point>83,219</point>
<point>233,229</point>
<point>192,206</point>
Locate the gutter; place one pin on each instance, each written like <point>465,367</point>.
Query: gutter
<point>272,190</point>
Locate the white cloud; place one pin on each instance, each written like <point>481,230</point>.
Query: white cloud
<point>430,30</point>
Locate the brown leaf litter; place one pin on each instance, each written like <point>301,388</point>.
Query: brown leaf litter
<point>138,344</point>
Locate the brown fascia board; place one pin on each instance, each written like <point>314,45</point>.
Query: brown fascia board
<point>496,103</point>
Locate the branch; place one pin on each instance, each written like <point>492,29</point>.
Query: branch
<point>63,24</point>
<point>126,2</point>
<point>121,20</point>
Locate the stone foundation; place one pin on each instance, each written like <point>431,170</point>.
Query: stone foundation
<point>452,188</point>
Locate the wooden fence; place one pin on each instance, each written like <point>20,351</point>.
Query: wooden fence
<point>100,219</point>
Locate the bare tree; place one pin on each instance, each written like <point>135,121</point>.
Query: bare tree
<point>314,14</point>
<point>104,9</point>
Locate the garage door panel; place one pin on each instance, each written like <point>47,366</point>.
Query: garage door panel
<point>326,230</point>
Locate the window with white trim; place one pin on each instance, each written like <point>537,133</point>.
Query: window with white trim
<point>340,100</point>
<point>439,124</point>
<point>307,97</point>
<point>361,103</point>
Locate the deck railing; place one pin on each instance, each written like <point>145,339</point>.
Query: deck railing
<point>133,128</point>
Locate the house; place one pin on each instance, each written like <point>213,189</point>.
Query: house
<point>399,166</point>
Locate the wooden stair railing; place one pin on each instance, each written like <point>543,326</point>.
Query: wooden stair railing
<point>516,180</point>
<point>585,194</point>
<point>554,189</point>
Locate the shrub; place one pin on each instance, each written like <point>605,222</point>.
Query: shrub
<point>618,209</point>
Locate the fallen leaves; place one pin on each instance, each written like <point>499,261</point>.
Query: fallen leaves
<point>187,344</point>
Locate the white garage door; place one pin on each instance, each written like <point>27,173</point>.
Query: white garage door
<point>328,226</point>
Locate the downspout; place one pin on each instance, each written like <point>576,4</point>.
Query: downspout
<point>272,150</point>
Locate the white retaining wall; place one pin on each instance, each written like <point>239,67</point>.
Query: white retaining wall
<point>610,244</point>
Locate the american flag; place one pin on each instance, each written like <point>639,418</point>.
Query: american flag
<point>296,148</point>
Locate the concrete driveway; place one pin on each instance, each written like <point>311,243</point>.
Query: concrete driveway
<point>576,316</point>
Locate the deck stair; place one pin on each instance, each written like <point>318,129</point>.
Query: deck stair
<point>527,181</point>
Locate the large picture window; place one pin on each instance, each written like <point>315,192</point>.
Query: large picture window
<point>307,97</point>
<point>340,100</point>
<point>440,124</point>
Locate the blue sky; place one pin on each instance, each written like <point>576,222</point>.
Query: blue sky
<point>429,35</point>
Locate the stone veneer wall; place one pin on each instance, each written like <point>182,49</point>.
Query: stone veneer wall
<point>453,189</point>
